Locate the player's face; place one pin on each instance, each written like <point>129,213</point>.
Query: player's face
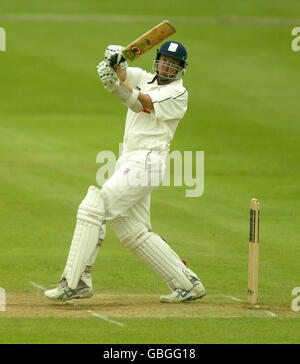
<point>168,67</point>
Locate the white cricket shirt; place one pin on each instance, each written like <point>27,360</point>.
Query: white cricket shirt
<point>154,130</point>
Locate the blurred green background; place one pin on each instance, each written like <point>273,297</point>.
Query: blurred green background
<point>55,117</point>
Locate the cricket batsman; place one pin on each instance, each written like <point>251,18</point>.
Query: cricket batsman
<point>156,103</point>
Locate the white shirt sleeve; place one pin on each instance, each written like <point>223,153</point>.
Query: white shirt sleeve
<point>135,75</point>
<point>169,102</point>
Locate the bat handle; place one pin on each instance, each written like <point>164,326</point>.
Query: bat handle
<point>116,59</point>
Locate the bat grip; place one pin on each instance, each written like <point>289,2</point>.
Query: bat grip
<point>115,60</point>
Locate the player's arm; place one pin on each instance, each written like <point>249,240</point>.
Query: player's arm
<point>113,74</point>
<point>115,62</point>
<point>121,72</point>
<point>144,99</point>
<point>112,83</point>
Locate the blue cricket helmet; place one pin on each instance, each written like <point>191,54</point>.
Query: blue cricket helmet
<point>175,50</point>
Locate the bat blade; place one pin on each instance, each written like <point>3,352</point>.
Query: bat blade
<point>153,37</point>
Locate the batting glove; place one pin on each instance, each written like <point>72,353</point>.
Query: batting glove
<point>113,60</point>
<point>108,76</point>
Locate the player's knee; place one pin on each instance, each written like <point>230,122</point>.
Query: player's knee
<point>130,232</point>
<point>91,208</point>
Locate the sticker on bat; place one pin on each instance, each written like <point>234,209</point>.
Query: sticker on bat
<point>137,50</point>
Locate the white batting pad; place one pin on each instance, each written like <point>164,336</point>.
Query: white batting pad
<point>90,216</point>
<point>155,252</point>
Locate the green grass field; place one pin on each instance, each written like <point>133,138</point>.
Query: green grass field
<point>55,117</point>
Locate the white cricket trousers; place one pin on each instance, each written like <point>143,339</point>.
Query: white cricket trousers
<point>127,192</point>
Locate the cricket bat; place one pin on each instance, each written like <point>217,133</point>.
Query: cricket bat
<point>148,40</point>
<point>253,252</point>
